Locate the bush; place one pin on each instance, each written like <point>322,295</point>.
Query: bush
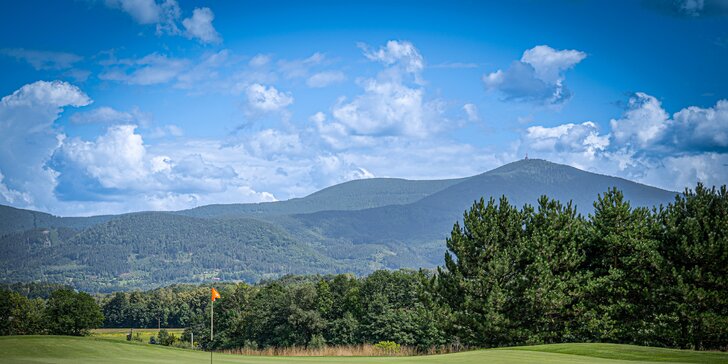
<point>181,344</point>
<point>165,338</point>
<point>317,342</point>
<point>388,347</point>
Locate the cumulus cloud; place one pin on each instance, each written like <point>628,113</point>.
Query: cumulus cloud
<point>115,159</point>
<point>644,122</point>
<point>118,171</point>
<point>538,76</point>
<point>323,79</point>
<point>166,14</point>
<point>29,137</point>
<point>702,129</point>
<point>647,125</point>
<point>199,26</point>
<point>390,106</point>
<point>266,99</point>
<point>394,52</point>
<point>645,144</point>
<point>43,60</point>
<point>583,138</point>
<point>271,144</point>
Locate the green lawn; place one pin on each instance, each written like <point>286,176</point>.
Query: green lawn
<point>120,334</point>
<point>62,349</point>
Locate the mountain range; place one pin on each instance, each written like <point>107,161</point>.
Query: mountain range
<point>357,227</point>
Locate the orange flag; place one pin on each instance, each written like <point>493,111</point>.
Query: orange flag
<point>215,295</point>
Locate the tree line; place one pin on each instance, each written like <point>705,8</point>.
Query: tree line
<point>512,276</point>
<point>64,312</point>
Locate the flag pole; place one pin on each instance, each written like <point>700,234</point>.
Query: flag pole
<point>212,313</point>
<point>213,294</point>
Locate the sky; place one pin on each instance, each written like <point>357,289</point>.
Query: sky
<point>114,106</point>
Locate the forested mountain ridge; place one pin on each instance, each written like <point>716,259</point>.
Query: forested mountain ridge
<point>352,195</point>
<point>522,182</point>
<point>356,227</point>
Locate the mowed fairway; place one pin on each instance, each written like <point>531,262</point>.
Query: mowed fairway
<point>62,349</point>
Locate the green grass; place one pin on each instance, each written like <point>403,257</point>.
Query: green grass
<point>631,353</point>
<point>120,334</point>
<point>63,349</point>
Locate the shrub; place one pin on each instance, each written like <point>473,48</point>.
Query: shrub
<point>165,338</point>
<point>317,342</point>
<point>388,347</point>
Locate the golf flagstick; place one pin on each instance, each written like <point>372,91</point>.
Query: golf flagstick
<point>214,295</point>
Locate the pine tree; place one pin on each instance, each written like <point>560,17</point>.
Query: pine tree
<point>622,270</point>
<point>695,243</point>
<point>480,271</point>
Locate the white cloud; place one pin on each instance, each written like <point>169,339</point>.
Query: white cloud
<point>538,76</point>
<point>643,123</point>
<point>471,111</point>
<point>388,108</point>
<point>13,197</point>
<point>55,94</point>
<point>647,125</point>
<point>105,114</point>
<point>43,60</point>
<point>142,11</point>
<point>149,70</point>
<point>29,137</point>
<point>166,130</point>
<point>259,60</point>
<point>645,144</point>
<point>318,117</point>
<point>300,68</point>
<point>200,26</point>
<point>583,138</point>
<point>271,144</point>
<point>267,99</point>
<point>116,159</point>
<point>696,128</point>
<point>323,79</point>
<point>165,14</point>
<point>549,63</point>
<point>397,52</point>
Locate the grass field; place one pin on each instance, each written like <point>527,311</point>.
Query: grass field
<point>63,349</point>
<point>120,334</point>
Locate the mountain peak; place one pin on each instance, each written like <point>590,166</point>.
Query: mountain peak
<point>530,166</point>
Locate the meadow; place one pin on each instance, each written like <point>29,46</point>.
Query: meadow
<point>141,334</point>
<point>96,349</point>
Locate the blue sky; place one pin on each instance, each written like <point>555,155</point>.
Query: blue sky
<point>126,105</point>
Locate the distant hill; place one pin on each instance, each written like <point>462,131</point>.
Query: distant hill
<point>357,227</point>
<point>352,195</point>
<point>521,182</point>
<point>15,220</point>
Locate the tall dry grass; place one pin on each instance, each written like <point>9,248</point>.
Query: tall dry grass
<point>348,350</point>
